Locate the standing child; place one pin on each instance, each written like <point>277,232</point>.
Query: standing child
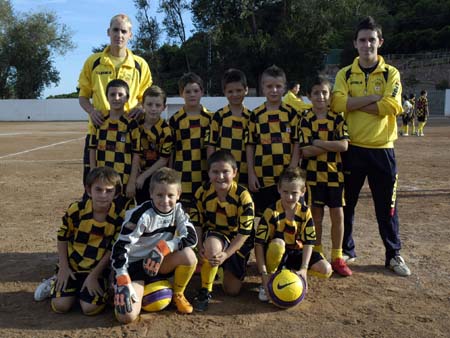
<point>285,235</point>
<point>406,115</point>
<point>422,112</point>
<point>155,242</point>
<point>322,136</point>
<point>224,223</point>
<point>190,127</point>
<point>271,137</point>
<point>85,240</point>
<point>156,141</point>
<point>412,100</point>
<point>229,126</point>
<point>116,143</point>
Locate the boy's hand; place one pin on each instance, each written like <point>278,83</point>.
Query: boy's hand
<point>124,295</point>
<point>153,262</point>
<point>63,277</point>
<point>92,285</point>
<point>96,117</point>
<point>218,259</point>
<point>131,190</point>
<point>303,273</point>
<point>135,112</point>
<point>253,183</point>
<point>140,180</point>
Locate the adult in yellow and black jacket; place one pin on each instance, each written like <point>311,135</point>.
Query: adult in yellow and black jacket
<point>369,93</point>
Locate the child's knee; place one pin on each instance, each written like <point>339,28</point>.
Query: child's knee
<point>62,305</point>
<point>322,269</point>
<point>189,257</point>
<point>91,309</point>
<point>231,284</point>
<point>126,318</point>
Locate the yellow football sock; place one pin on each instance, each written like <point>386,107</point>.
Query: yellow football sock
<point>336,253</point>
<point>318,248</point>
<point>208,274</point>
<point>318,274</point>
<point>274,254</point>
<point>182,276</point>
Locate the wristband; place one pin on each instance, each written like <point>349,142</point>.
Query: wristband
<point>163,247</point>
<point>304,266</point>
<point>123,280</point>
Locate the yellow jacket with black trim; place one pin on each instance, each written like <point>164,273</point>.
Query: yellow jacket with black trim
<point>295,102</point>
<point>369,130</point>
<point>98,70</point>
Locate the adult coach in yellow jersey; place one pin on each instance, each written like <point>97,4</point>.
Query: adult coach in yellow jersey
<point>369,93</point>
<point>115,62</point>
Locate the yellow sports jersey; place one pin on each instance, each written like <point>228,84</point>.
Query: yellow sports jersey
<point>273,133</point>
<point>189,133</point>
<point>325,168</point>
<point>115,142</point>
<point>229,132</point>
<point>156,142</point>
<point>99,70</point>
<point>231,217</point>
<point>295,102</point>
<point>295,233</point>
<point>88,239</point>
<point>369,130</point>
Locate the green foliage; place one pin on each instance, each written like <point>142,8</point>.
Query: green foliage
<point>29,43</point>
<point>443,84</point>
<point>73,95</point>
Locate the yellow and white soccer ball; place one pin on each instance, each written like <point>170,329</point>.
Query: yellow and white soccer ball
<point>286,289</point>
<point>157,296</point>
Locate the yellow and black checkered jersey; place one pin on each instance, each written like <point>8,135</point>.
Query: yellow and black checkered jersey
<point>273,133</point>
<point>88,239</point>
<point>325,168</point>
<point>115,142</point>
<point>295,233</point>
<point>422,107</point>
<point>189,133</point>
<point>156,142</point>
<point>234,216</point>
<point>230,132</point>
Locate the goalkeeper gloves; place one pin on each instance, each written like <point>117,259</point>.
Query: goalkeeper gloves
<point>125,295</point>
<point>152,263</point>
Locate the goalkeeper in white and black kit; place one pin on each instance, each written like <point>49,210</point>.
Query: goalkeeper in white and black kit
<point>155,242</point>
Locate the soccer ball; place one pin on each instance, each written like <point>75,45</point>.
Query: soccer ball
<point>157,296</point>
<point>286,289</point>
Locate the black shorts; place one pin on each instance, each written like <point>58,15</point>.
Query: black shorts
<point>422,118</point>
<point>321,195</point>
<point>264,198</point>
<point>236,263</point>
<point>73,289</point>
<point>406,119</point>
<point>292,259</point>
<point>136,272</point>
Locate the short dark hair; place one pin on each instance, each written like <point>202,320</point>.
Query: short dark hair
<point>222,156</point>
<point>189,78</point>
<point>273,71</point>
<point>423,92</point>
<point>317,81</point>
<point>234,75</point>
<point>292,84</point>
<point>166,176</point>
<point>105,174</point>
<point>370,24</point>
<point>292,174</point>
<point>117,83</point>
<point>155,91</point>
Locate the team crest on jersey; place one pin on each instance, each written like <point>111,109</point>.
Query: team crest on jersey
<point>378,86</point>
<point>123,137</point>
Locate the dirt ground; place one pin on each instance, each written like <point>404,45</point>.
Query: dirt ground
<point>40,174</point>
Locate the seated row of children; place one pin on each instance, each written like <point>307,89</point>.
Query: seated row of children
<point>261,149</point>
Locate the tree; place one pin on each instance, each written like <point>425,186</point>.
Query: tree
<point>29,44</point>
<point>6,19</point>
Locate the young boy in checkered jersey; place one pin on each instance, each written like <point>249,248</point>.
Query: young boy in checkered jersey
<point>229,126</point>
<point>116,143</point>
<point>285,235</point>
<point>224,219</point>
<point>85,240</point>
<point>322,136</point>
<point>190,128</point>
<point>156,140</point>
<point>272,134</point>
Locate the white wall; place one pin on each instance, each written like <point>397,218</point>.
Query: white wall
<point>70,110</point>
<point>447,103</point>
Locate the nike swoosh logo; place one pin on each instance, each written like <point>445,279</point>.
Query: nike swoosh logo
<point>282,286</point>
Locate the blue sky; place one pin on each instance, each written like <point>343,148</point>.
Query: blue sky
<point>89,20</point>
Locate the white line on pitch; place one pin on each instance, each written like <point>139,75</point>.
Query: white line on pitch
<point>43,147</point>
<point>13,134</point>
<point>75,160</point>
